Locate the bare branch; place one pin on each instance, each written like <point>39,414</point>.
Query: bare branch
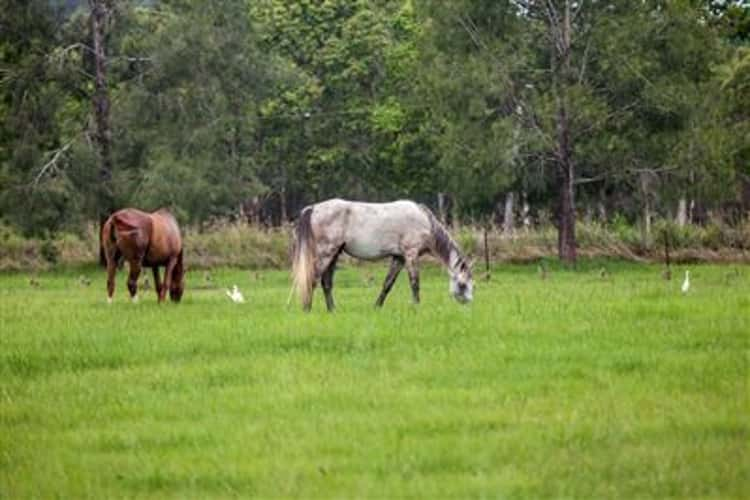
<point>61,54</point>
<point>555,27</point>
<point>578,10</point>
<point>528,118</point>
<point>627,173</point>
<point>554,18</point>
<point>85,73</point>
<point>112,59</point>
<point>589,180</point>
<point>647,170</point>
<point>52,163</point>
<point>584,60</point>
<point>606,118</point>
<point>470,29</point>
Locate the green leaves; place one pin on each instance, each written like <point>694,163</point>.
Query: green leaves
<point>214,103</point>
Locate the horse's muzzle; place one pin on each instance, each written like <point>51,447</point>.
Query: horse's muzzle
<point>461,298</point>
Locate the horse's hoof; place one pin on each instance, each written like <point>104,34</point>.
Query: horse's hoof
<point>135,299</point>
<point>109,300</point>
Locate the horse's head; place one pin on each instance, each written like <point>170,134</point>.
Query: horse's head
<point>178,281</point>
<point>461,282</point>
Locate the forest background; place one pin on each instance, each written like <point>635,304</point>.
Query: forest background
<point>623,124</point>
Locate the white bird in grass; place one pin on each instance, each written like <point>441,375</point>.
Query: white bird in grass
<point>236,295</point>
<point>686,283</point>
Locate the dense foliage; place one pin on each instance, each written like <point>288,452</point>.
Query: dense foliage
<point>238,106</point>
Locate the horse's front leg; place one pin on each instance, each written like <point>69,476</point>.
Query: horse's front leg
<point>157,281</point>
<point>135,271</point>
<point>396,265</point>
<point>412,266</point>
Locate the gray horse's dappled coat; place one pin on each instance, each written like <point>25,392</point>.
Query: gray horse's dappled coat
<point>402,230</point>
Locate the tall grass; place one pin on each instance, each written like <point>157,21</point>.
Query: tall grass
<point>241,245</point>
<point>220,244</point>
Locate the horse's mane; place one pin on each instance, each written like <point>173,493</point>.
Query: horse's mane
<point>164,211</point>
<point>444,244</point>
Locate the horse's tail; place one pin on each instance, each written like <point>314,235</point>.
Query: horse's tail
<point>303,259</point>
<point>107,237</point>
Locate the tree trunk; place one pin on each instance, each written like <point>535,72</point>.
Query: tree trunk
<point>601,206</point>
<point>498,213</point>
<point>691,212</point>
<point>743,195</point>
<point>566,211</point>
<point>588,214</point>
<point>566,216</point>
<point>508,215</point>
<point>257,215</point>
<point>100,104</point>
<point>646,234</point>
<point>646,223</point>
<point>441,207</point>
<point>282,203</point>
<point>453,213</point>
<point>682,212</point>
<point>525,212</point>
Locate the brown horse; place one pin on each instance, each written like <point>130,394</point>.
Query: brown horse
<point>144,240</point>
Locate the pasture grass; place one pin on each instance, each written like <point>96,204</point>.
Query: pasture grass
<point>577,386</point>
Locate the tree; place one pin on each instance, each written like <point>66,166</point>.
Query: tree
<point>202,106</point>
<point>188,122</point>
<point>539,95</point>
<point>40,110</point>
<point>346,125</point>
<point>100,14</point>
<point>584,93</point>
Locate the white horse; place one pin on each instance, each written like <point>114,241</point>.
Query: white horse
<point>402,230</point>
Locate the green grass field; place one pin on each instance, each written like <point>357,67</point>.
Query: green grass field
<point>577,386</point>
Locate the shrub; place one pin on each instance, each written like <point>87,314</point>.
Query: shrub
<point>237,244</point>
<point>75,249</point>
<point>17,252</point>
<point>625,232</point>
<point>49,251</point>
<point>468,238</point>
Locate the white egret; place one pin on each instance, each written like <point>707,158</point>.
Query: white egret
<point>235,295</point>
<point>686,283</point>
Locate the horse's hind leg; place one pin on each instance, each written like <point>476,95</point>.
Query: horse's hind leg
<point>157,281</point>
<point>396,265</point>
<point>111,271</point>
<point>168,272</point>
<point>412,267</point>
<point>135,271</point>
<point>326,280</point>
